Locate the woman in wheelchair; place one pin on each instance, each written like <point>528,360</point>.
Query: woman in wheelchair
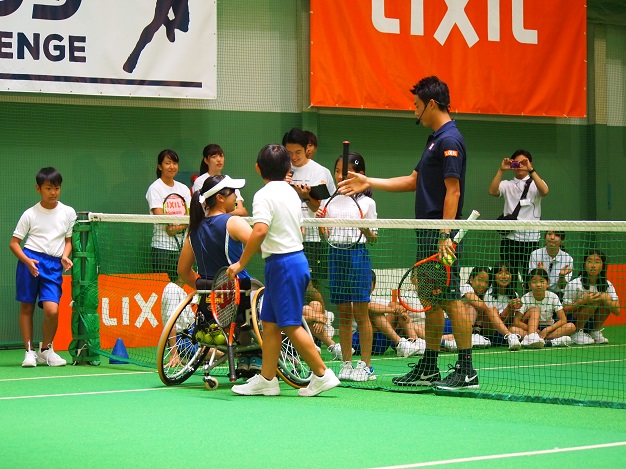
<point>216,239</point>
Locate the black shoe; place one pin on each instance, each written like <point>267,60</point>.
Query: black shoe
<point>458,379</point>
<point>420,375</point>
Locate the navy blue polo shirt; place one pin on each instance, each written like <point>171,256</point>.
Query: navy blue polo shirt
<point>443,157</point>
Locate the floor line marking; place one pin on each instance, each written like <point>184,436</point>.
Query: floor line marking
<point>505,455</point>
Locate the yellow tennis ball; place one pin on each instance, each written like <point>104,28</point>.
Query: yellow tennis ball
<point>218,338</point>
<point>448,260</point>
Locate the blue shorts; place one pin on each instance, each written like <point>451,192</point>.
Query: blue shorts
<point>350,275</point>
<point>47,286</point>
<point>447,326</point>
<point>286,279</point>
<point>380,343</point>
<point>427,245</point>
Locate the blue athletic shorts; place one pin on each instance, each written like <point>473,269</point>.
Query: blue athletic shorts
<point>47,286</point>
<point>447,326</point>
<point>286,279</point>
<point>427,245</point>
<point>350,275</point>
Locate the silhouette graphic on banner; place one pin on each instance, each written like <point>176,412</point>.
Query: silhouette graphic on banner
<point>180,8</point>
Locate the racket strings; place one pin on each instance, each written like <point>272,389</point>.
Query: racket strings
<point>224,299</point>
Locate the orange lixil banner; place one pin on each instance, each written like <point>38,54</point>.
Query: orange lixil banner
<point>513,57</point>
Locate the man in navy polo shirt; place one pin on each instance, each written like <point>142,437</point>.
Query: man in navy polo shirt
<point>439,184</point>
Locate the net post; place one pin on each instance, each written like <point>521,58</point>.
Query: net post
<point>85,318</point>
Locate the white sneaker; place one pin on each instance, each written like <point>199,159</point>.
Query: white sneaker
<point>598,337</point>
<point>30,359</point>
<point>50,357</point>
<point>580,337</point>
<point>533,341</point>
<point>320,384</point>
<point>478,341</point>
<point>563,341</point>
<point>346,370</point>
<point>335,351</point>
<point>410,347</point>
<point>450,345</point>
<point>514,343</point>
<point>362,372</point>
<point>258,386</point>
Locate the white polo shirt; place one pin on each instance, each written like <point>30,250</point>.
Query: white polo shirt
<point>278,206</point>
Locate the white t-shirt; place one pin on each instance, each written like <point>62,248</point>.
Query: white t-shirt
<point>574,291</point>
<point>173,295</point>
<point>552,265</point>
<point>278,206</point>
<point>197,185</point>
<point>466,288</point>
<point>45,229</point>
<point>312,174</point>
<point>157,192</point>
<point>343,207</point>
<point>512,190</point>
<point>548,306</point>
<point>498,301</point>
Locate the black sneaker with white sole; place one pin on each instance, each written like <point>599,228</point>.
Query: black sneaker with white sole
<point>458,379</point>
<point>420,375</point>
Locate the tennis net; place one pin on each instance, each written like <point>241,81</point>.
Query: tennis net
<point>582,362</point>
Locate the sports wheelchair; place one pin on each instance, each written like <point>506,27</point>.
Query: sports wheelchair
<point>181,350</point>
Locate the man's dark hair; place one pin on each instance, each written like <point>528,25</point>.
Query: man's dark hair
<point>296,136</point>
<point>274,162</point>
<point>48,174</point>
<point>433,88</point>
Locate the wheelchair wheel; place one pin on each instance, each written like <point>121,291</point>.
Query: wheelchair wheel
<point>178,353</point>
<point>291,367</point>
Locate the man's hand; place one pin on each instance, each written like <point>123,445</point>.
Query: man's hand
<point>355,184</point>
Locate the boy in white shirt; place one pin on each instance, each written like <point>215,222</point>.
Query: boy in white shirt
<point>277,233</point>
<point>47,228</point>
<point>553,260</point>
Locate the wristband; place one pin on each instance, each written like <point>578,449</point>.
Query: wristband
<point>443,235</point>
<point>531,171</point>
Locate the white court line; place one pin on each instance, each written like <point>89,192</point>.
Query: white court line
<point>77,376</point>
<point>92,393</point>
<point>505,456</point>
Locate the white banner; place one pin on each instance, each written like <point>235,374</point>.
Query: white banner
<point>156,48</point>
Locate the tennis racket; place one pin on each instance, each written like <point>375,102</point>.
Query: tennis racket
<point>427,279</point>
<point>174,204</point>
<point>343,207</point>
<point>225,298</point>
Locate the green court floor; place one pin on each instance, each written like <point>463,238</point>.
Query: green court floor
<point>122,416</point>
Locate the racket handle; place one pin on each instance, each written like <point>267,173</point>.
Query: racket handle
<point>232,372</point>
<point>462,232</point>
<point>394,295</point>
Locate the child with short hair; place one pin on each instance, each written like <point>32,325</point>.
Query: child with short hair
<point>277,232</point>
<point>47,228</point>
